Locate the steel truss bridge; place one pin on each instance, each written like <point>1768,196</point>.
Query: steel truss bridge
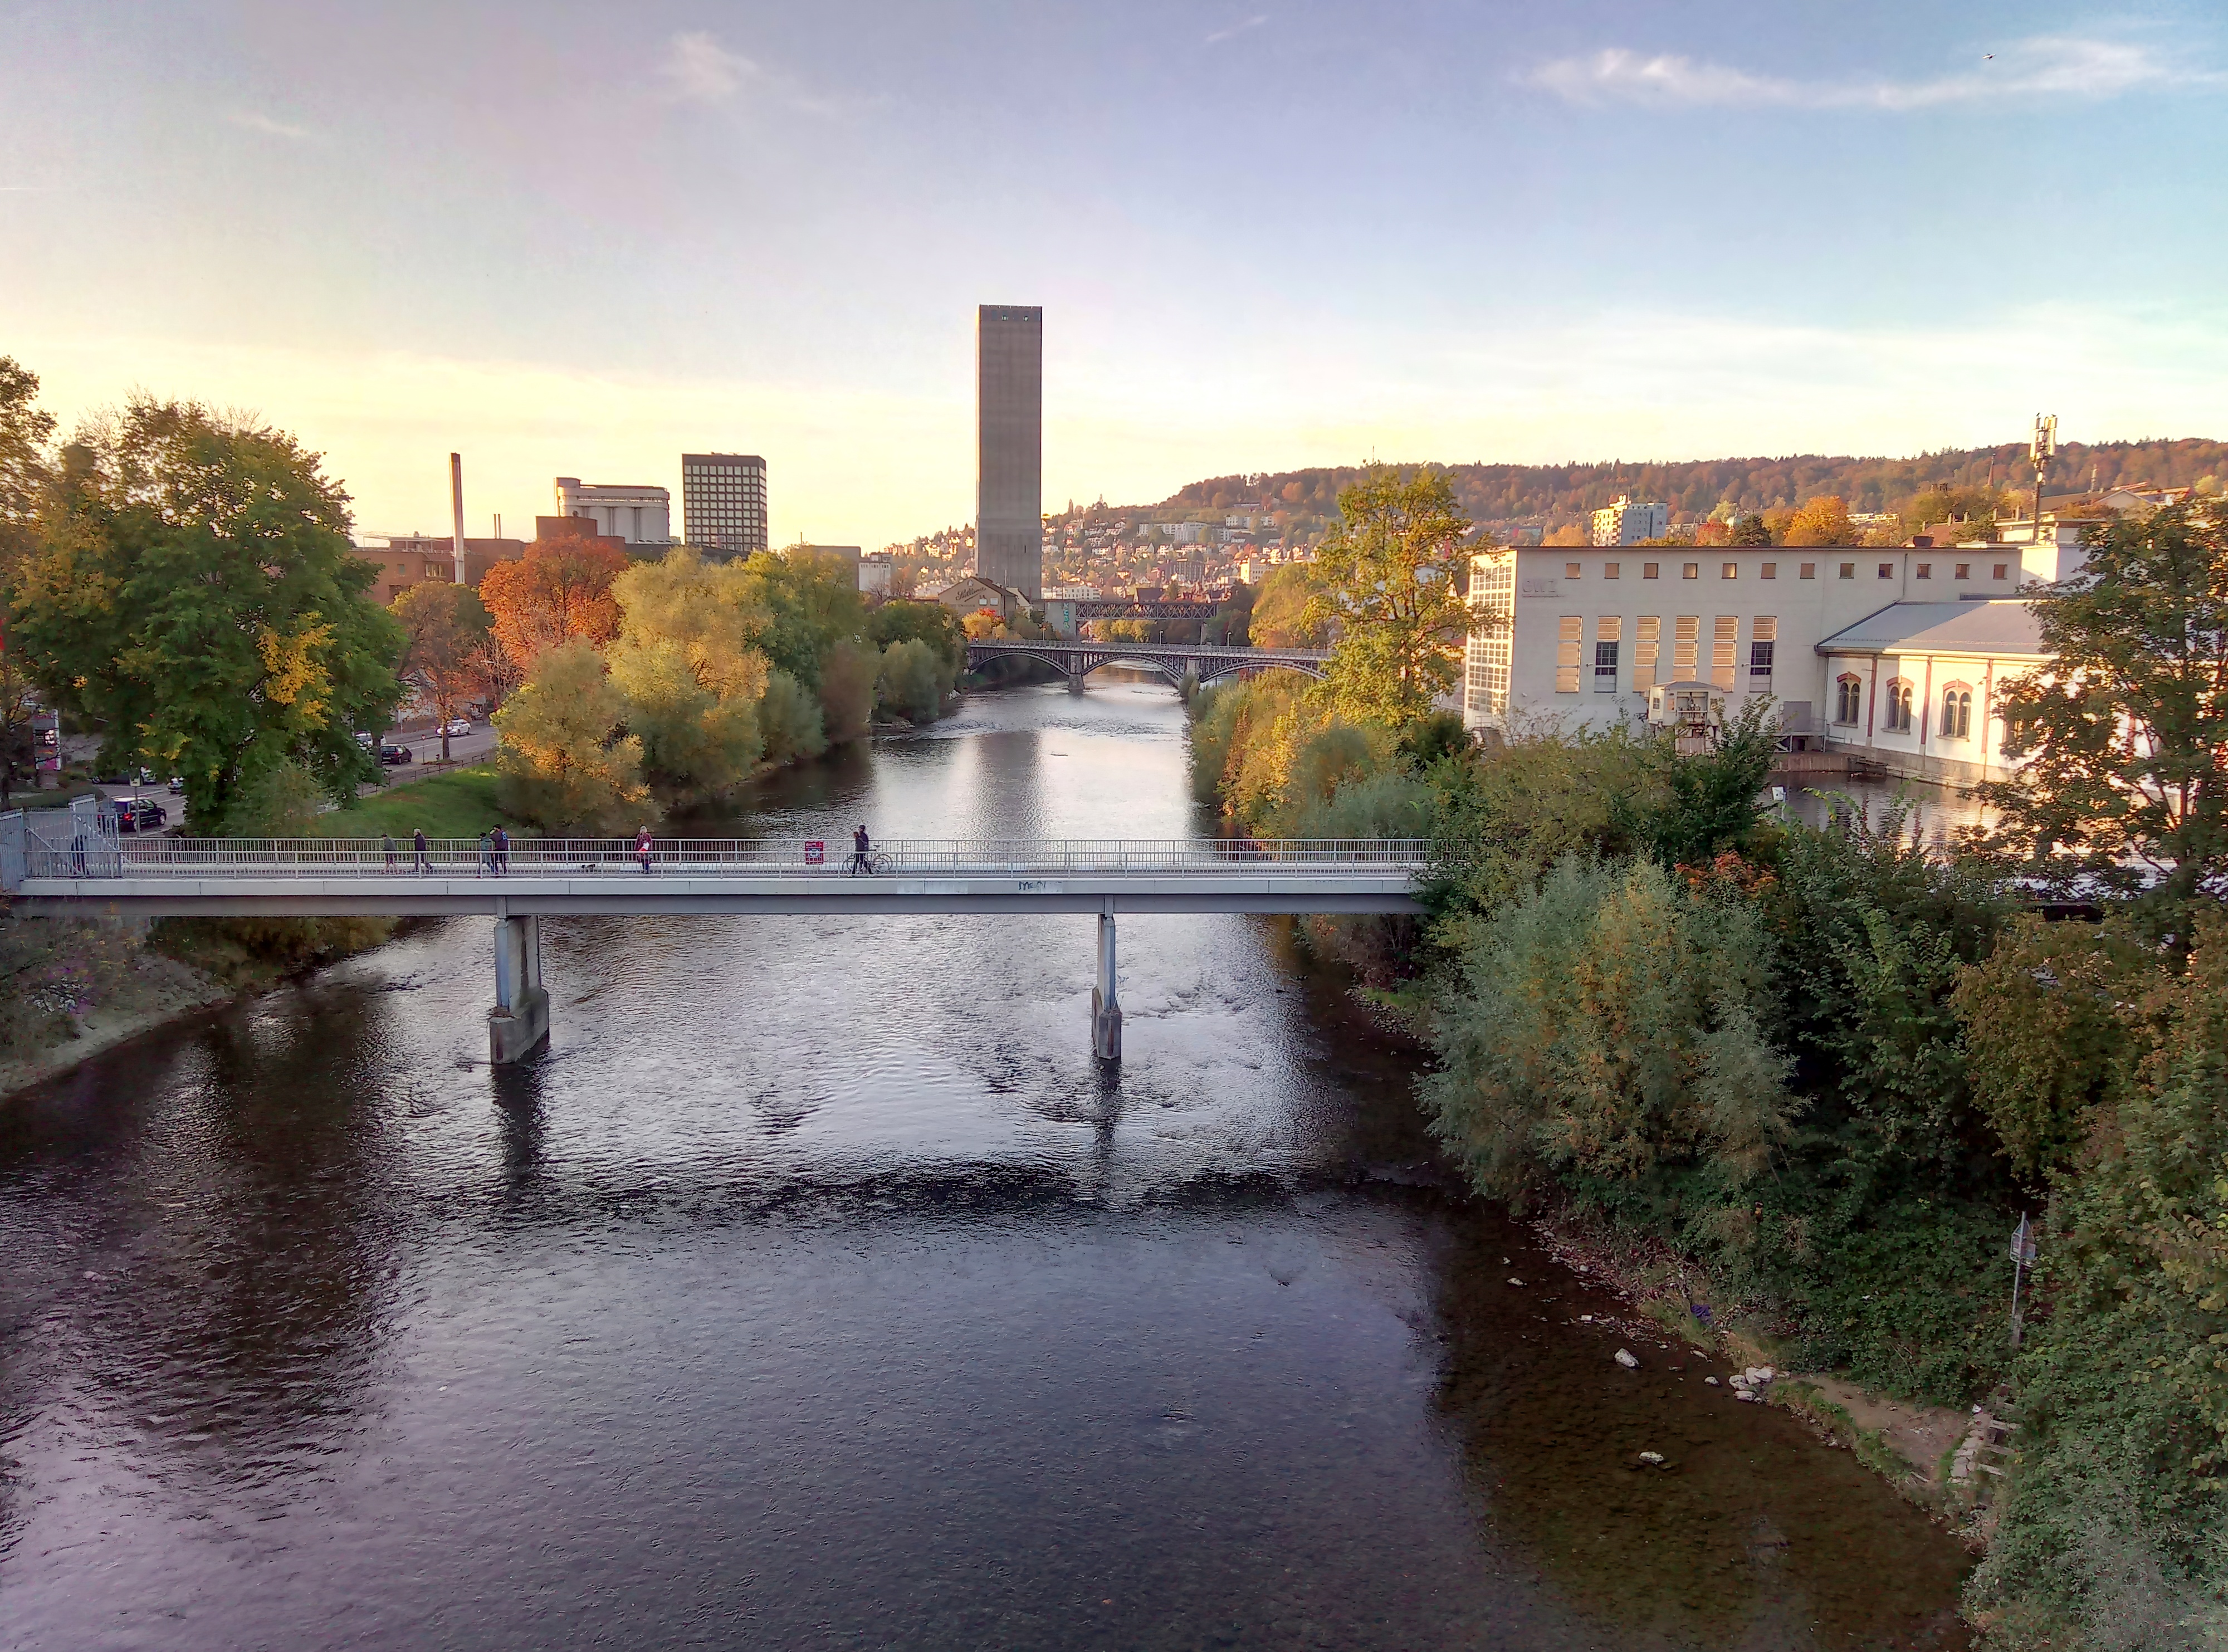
<point>60,863</point>
<point>1174,661</point>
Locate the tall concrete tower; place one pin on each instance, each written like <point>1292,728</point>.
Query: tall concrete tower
<point>1009,446</point>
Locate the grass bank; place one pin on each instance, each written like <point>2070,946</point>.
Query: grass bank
<point>459,803</point>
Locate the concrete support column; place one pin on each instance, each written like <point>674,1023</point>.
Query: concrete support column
<point>1075,683</point>
<point>1106,1007</point>
<point>519,1023</point>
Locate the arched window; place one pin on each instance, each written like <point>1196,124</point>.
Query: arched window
<point>1849,698</point>
<point>1956,712</point>
<point>1898,705</point>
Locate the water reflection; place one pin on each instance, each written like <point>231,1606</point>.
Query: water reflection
<point>817,1289</point>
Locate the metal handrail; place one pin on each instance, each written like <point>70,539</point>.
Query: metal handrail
<point>269,857</point>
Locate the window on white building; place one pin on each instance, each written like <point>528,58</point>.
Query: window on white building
<point>1899,706</point>
<point>1849,698</point>
<point>1958,712</point>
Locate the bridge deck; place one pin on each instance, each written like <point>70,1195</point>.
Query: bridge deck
<point>329,877</point>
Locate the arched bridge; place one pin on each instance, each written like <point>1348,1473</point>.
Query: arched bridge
<point>1174,661</point>
<point>58,862</point>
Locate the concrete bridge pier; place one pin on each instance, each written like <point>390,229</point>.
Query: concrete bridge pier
<point>1105,1008</point>
<point>1075,683</point>
<point>519,1023</point>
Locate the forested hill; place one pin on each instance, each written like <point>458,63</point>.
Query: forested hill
<point>1552,494</point>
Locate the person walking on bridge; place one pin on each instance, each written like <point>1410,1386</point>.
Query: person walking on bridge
<point>424,864</point>
<point>502,840</point>
<point>641,847</point>
<point>860,848</point>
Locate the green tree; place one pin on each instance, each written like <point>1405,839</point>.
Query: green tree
<point>922,622</point>
<point>1699,805</point>
<point>806,601</point>
<point>2120,737</point>
<point>567,762</point>
<point>912,679</point>
<point>1610,1024</point>
<point>1388,579</point>
<point>847,690</point>
<point>195,593</point>
<point>25,477</point>
<point>1748,529</point>
<point>446,631</point>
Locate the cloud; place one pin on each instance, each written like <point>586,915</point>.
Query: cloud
<point>265,125</point>
<point>1236,30</point>
<point>698,69</point>
<point>2047,64</point>
<point>703,71</point>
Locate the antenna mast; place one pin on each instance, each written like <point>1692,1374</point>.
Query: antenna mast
<point>2039,453</point>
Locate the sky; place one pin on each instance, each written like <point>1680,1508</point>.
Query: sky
<point>571,239</point>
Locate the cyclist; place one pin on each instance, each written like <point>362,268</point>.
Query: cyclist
<point>860,849</point>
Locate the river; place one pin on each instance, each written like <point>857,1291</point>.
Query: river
<point>816,1291</point>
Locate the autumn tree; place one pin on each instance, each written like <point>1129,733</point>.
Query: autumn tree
<point>1822,521</point>
<point>560,590</point>
<point>1385,577</point>
<point>691,676</point>
<point>2120,738</point>
<point>1280,618</point>
<point>567,762</point>
<point>445,630</point>
<point>195,591</point>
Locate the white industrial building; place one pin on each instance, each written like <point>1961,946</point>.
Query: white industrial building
<point>1895,654</point>
<point>640,516</point>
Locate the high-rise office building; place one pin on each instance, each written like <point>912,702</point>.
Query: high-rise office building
<point>723,502</point>
<point>1010,447</point>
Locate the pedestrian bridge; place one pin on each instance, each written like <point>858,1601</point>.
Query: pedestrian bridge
<point>1175,662</point>
<point>93,871</point>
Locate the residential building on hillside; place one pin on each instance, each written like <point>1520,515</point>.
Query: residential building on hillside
<point>973,594</point>
<point>1010,447</point>
<point>723,503</point>
<point>1627,522</point>
<point>1585,638</point>
<point>637,515</point>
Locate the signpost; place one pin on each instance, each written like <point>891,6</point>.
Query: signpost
<point>815,853</point>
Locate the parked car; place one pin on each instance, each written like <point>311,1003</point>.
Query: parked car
<point>459,725</point>
<point>392,755</point>
<point>139,815</point>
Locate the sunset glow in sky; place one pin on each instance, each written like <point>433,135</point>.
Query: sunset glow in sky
<point>575,239</point>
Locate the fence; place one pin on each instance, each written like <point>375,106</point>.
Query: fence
<point>77,856</point>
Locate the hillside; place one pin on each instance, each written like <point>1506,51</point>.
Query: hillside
<point>1552,494</point>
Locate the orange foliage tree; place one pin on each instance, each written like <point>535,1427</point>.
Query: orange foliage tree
<point>559,591</point>
<point>1822,520</point>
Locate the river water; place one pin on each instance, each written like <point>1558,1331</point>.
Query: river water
<point>816,1291</point>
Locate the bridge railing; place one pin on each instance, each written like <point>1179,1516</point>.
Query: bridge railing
<point>571,857</point>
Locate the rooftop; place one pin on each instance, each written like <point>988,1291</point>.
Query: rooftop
<point>2003,626</point>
